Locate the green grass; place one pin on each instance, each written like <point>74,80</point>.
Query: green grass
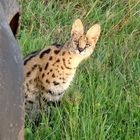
<point>103,103</point>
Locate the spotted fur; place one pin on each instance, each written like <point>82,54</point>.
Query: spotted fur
<point>49,72</point>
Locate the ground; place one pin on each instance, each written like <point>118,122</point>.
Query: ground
<point>103,102</point>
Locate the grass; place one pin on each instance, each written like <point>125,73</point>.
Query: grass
<point>103,103</point>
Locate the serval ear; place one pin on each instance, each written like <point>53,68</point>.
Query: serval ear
<point>77,29</point>
<point>93,34</point>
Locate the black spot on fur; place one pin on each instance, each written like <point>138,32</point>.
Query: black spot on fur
<point>34,66</point>
<point>30,56</point>
<point>56,51</point>
<point>63,78</point>
<point>43,75</point>
<point>63,53</point>
<point>46,66</point>
<point>26,96</point>
<point>62,67</point>
<point>25,62</point>
<point>69,62</point>
<point>42,88</point>
<point>28,74</point>
<point>58,60</point>
<point>30,102</point>
<point>44,99</point>
<point>53,75</point>
<point>50,92</point>
<point>56,83</point>
<point>47,81</point>
<point>40,69</point>
<point>64,63</point>
<point>53,94</point>
<point>50,58</point>
<point>45,52</point>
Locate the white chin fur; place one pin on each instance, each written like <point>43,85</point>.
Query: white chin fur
<point>81,53</point>
<point>77,51</point>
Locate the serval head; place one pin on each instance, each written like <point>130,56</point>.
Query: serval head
<point>82,44</point>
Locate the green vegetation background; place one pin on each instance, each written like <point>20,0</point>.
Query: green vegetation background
<point>103,102</point>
